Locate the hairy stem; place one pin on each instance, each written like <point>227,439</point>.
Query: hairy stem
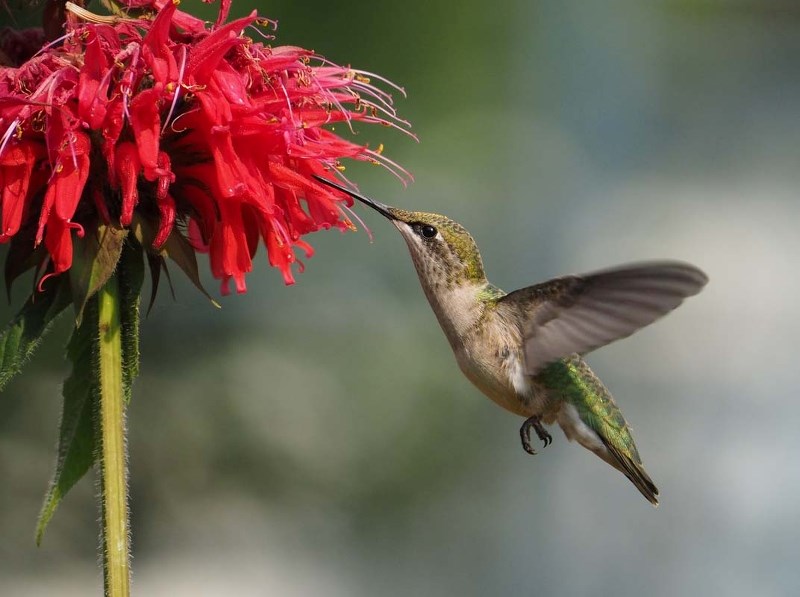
<point>113,463</point>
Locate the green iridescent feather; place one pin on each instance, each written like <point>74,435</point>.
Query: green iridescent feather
<point>579,386</point>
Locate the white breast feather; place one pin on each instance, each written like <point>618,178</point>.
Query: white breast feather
<point>516,374</point>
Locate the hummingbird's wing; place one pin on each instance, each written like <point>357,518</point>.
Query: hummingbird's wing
<point>576,314</point>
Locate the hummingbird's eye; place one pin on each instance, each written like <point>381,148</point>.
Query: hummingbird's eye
<point>428,231</point>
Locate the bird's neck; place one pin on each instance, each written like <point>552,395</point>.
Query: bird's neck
<point>458,307</point>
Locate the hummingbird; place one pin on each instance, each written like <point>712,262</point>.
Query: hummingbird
<point>524,349</point>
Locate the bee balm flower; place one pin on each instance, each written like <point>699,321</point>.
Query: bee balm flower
<point>172,127</point>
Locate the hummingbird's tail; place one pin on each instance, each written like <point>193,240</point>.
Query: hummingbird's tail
<point>616,448</point>
<point>589,415</point>
<point>634,470</point>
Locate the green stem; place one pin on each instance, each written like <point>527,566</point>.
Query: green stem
<point>114,473</point>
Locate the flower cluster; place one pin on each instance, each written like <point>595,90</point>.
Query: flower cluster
<point>179,127</point>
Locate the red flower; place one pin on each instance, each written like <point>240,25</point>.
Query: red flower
<point>172,122</point>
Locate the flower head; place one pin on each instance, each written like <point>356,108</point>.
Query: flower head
<point>168,126</point>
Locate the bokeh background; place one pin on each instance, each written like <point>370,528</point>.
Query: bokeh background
<point>320,440</point>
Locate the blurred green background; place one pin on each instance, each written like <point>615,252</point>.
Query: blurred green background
<point>320,440</point>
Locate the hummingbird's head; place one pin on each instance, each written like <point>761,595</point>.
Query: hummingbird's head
<point>443,251</point>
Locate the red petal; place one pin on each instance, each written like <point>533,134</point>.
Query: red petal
<point>59,244</point>
<point>71,178</point>
<point>280,255</point>
<point>206,54</point>
<point>92,83</point>
<point>228,248</point>
<point>112,128</point>
<point>16,166</point>
<point>128,168</point>
<point>166,207</point>
<point>156,47</point>
<point>146,124</point>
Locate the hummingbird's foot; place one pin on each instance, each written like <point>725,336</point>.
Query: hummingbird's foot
<point>541,432</point>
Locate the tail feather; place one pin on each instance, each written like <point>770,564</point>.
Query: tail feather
<point>589,415</point>
<point>635,473</point>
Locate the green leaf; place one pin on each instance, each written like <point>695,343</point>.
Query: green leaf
<point>78,440</point>
<point>79,435</point>
<point>131,277</point>
<point>176,248</point>
<point>156,264</point>
<point>22,335</point>
<point>94,259</point>
<point>181,252</point>
<point>22,255</point>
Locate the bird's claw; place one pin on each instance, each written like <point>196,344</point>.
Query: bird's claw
<point>525,435</point>
<point>546,438</point>
<point>541,432</point>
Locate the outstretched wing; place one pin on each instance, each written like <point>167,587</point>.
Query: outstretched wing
<point>576,314</point>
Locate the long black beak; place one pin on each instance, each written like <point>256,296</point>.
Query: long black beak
<point>382,209</point>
